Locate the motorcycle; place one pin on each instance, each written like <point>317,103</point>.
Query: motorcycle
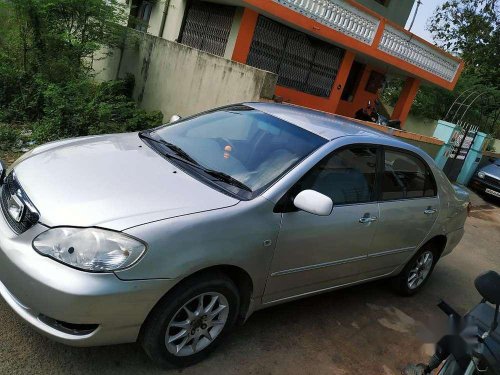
<point>371,114</point>
<point>472,346</point>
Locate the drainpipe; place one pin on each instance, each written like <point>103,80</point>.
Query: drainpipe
<point>164,18</point>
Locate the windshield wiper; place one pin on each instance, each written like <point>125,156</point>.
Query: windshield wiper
<point>176,149</point>
<point>183,156</point>
<point>221,176</point>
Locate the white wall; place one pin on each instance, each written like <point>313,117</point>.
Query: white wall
<point>496,145</point>
<point>233,34</point>
<point>155,18</point>
<point>175,16</point>
<point>178,79</point>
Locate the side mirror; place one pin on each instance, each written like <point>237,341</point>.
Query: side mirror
<point>174,118</point>
<point>313,202</point>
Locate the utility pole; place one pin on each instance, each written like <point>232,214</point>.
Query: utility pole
<point>419,2</point>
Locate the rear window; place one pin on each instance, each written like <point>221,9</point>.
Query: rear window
<point>406,176</point>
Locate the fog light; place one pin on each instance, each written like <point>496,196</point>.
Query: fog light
<point>481,174</point>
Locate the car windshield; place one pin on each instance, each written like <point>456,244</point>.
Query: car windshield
<point>248,145</point>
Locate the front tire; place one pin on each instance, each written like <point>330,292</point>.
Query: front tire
<point>189,323</point>
<point>417,271</point>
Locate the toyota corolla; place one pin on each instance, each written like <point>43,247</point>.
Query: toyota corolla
<point>171,236</point>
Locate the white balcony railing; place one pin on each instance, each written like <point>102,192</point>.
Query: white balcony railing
<point>337,15</point>
<point>399,44</point>
<point>360,25</point>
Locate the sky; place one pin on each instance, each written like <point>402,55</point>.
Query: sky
<point>424,13</point>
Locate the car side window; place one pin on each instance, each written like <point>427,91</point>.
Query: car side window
<point>347,176</point>
<point>406,176</point>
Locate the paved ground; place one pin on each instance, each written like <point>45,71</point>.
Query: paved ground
<point>360,330</point>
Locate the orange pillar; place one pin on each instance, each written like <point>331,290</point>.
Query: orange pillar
<point>245,36</point>
<point>379,33</point>
<point>340,80</point>
<point>405,100</point>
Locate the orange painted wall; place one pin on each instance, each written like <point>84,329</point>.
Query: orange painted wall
<point>242,49</point>
<point>333,104</point>
<point>245,36</point>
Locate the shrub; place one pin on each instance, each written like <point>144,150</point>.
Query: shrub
<point>84,107</point>
<point>45,49</point>
<point>9,135</point>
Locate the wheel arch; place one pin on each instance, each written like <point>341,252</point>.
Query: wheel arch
<point>243,282</point>
<point>238,275</point>
<point>438,243</point>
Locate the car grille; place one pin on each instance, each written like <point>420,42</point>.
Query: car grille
<point>492,180</point>
<point>30,217</point>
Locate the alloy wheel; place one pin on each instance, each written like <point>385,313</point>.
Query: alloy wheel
<point>420,270</point>
<point>197,324</point>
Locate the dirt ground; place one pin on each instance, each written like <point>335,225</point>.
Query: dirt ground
<point>361,330</point>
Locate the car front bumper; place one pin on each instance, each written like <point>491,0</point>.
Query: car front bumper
<point>485,186</point>
<point>51,296</point>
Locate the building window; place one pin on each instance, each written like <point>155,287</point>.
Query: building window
<point>302,62</point>
<point>140,13</point>
<point>207,26</point>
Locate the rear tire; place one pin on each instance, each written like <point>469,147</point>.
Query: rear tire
<point>199,312</point>
<point>417,271</point>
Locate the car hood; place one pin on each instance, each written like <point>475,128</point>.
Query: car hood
<point>113,181</point>
<point>493,170</point>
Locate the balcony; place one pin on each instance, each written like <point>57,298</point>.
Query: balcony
<point>370,34</point>
<point>339,16</point>
<point>423,55</point>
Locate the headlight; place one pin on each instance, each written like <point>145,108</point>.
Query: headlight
<point>89,249</point>
<point>480,174</point>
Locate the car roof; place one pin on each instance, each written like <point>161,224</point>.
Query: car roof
<point>324,124</point>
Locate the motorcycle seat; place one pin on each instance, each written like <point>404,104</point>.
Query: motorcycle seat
<point>488,286</point>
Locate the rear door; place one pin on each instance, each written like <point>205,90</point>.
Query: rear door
<point>408,205</point>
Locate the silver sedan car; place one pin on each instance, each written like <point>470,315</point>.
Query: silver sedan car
<point>171,236</point>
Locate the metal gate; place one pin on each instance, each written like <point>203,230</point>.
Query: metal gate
<point>302,62</point>
<point>462,143</point>
<point>207,27</point>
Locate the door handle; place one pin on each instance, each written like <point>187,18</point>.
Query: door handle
<point>367,219</point>
<point>430,211</point>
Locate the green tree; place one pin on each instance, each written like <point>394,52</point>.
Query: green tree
<point>46,52</point>
<point>57,38</point>
<point>470,29</point>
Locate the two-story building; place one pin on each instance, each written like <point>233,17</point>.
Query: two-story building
<point>331,55</point>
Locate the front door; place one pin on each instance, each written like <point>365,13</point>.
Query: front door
<point>318,252</point>
<point>408,209</point>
